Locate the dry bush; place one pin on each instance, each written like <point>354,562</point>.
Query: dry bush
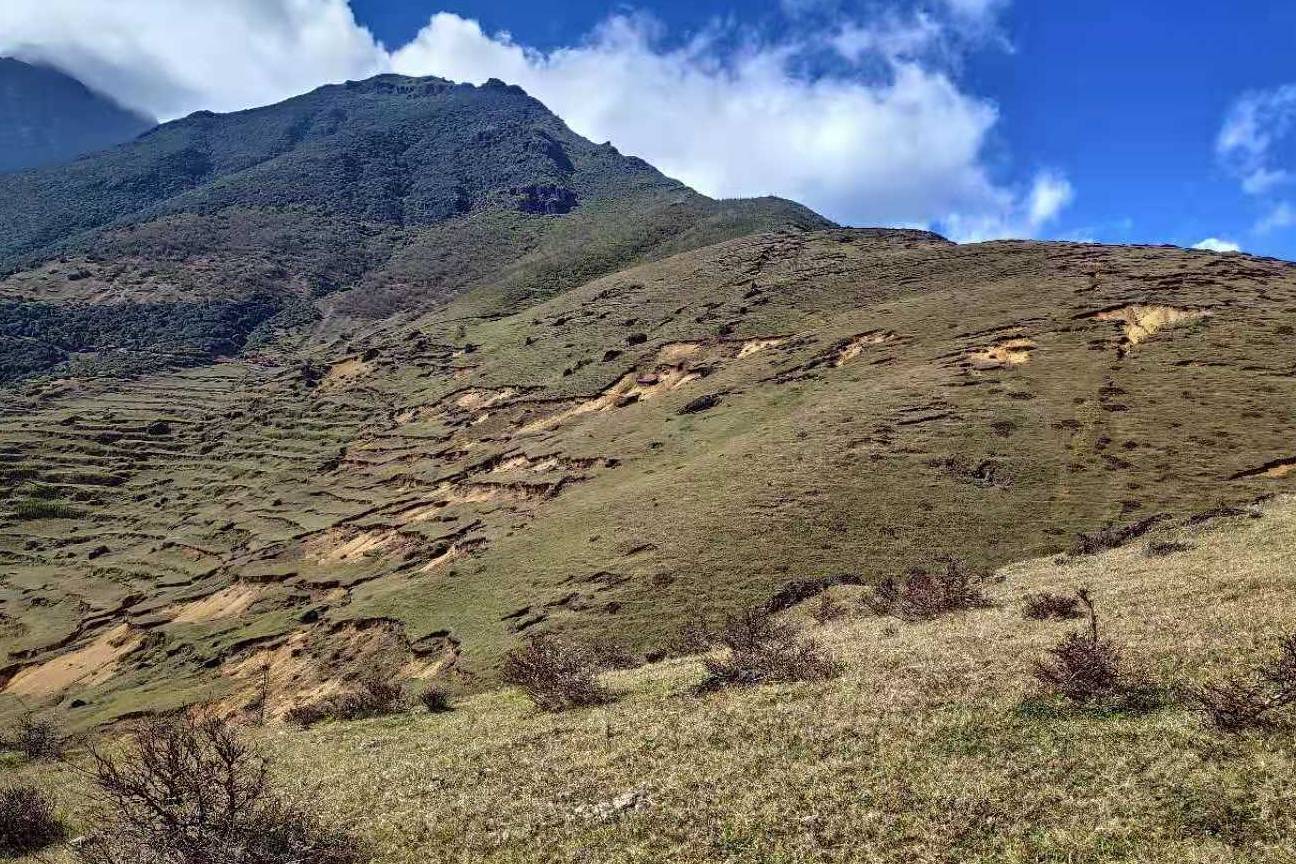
<point>922,595</point>
<point>37,738</point>
<point>373,695</point>
<point>613,655</point>
<point>557,674</point>
<point>695,636</point>
<point>827,608</point>
<point>1046,605</point>
<point>27,822</point>
<point>1087,669</point>
<point>188,791</point>
<point>1234,705</point>
<point>436,700</point>
<point>1112,536</point>
<point>1166,548</point>
<point>762,650</point>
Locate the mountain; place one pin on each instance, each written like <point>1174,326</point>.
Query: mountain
<point>398,373</point>
<point>47,117</point>
<point>392,193</point>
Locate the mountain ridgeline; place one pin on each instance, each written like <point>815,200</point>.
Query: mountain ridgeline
<point>47,117</point>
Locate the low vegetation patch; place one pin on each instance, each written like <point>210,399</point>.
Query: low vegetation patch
<point>32,509</point>
<point>1113,536</point>
<point>557,674</point>
<point>922,595</point>
<point>28,822</point>
<point>188,791</point>
<point>762,650</point>
<point>827,609</point>
<point>1237,704</point>
<point>1046,606</point>
<point>36,738</point>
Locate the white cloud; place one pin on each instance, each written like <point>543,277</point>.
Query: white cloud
<point>980,11</point>
<point>1254,127</point>
<point>1215,244</point>
<point>1280,215</point>
<point>1014,216</point>
<point>171,58</point>
<point>906,149</point>
<point>901,145</point>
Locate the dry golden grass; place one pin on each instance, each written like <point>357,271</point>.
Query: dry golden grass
<point>934,746</point>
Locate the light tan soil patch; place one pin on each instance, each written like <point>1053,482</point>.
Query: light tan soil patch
<point>1142,322</point>
<point>315,664</point>
<point>473,400</point>
<point>755,346</point>
<point>342,545</point>
<point>93,664</point>
<point>677,352</point>
<point>1013,352</point>
<point>346,371</point>
<point>857,344</point>
<point>226,603</point>
<point>1276,470</point>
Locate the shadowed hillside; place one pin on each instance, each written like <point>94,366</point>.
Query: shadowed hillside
<point>47,118</point>
<point>391,195</point>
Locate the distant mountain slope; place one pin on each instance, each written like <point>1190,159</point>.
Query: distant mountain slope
<point>390,152</point>
<point>393,194</point>
<point>47,117</point>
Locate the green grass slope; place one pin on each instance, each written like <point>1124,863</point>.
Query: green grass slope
<point>935,745</point>
<point>681,438</point>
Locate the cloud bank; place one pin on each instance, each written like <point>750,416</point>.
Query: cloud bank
<point>886,136</point>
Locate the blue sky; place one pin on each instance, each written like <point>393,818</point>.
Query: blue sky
<point>1149,121</point>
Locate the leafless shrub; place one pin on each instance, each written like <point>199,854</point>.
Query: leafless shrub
<point>1046,605</point>
<point>613,655</point>
<point>1235,705</point>
<point>436,700</point>
<point>188,791</point>
<point>28,823</point>
<point>36,738</point>
<point>761,650</point>
<point>922,595</point>
<point>827,608</point>
<point>557,674</point>
<point>1086,669</point>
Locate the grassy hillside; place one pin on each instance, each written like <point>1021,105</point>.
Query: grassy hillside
<point>935,745</point>
<point>682,438</point>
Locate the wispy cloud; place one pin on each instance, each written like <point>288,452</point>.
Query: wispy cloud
<point>1255,144</point>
